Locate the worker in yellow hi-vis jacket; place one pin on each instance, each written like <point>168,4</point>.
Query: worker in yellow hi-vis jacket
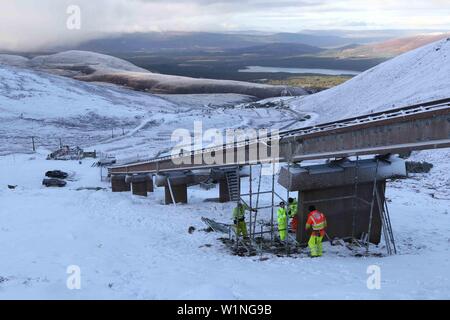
<point>282,221</point>
<point>239,219</point>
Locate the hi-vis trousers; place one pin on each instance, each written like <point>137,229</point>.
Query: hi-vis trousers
<point>315,244</point>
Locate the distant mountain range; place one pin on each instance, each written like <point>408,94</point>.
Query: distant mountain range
<point>337,45</point>
<point>160,41</point>
<point>204,56</point>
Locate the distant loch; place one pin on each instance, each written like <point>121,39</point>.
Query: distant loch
<point>331,72</point>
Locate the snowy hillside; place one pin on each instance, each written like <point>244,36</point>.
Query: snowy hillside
<point>51,107</point>
<point>108,117</point>
<point>13,60</point>
<point>70,58</point>
<point>416,76</point>
<point>90,66</point>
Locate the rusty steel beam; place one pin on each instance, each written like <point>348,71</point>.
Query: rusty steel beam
<point>418,127</point>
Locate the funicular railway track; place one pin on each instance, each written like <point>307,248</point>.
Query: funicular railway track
<point>415,127</point>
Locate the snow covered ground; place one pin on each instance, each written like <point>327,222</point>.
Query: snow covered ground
<point>129,247</point>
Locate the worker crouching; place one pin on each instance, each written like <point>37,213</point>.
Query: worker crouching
<point>317,222</point>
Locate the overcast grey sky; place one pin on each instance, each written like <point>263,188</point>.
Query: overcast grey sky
<point>30,24</point>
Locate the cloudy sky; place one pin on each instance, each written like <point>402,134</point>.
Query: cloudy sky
<point>30,24</point>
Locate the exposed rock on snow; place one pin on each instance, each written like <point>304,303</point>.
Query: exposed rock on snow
<point>90,66</point>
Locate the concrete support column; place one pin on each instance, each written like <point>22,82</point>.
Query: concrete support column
<point>139,188</point>
<point>179,193</point>
<point>140,184</point>
<point>343,218</point>
<point>118,184</point>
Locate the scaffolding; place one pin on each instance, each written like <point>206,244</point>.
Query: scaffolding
<point>262,235</point>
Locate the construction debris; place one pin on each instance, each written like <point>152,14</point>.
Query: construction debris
<point>68,153</point>
<point>216,226</point>
<point>253,246</point>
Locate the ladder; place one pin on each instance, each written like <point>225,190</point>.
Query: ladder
<point>233,183</point>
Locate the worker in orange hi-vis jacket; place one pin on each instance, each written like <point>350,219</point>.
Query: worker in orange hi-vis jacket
<point>317,222</point>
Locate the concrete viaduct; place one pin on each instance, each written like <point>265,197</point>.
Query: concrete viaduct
<point>397,131</point>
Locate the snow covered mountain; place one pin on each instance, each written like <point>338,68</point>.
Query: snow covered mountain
<point>413,77</point>
<point>51,107</point>
<point>90,66</point>
<point>42,105</point>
